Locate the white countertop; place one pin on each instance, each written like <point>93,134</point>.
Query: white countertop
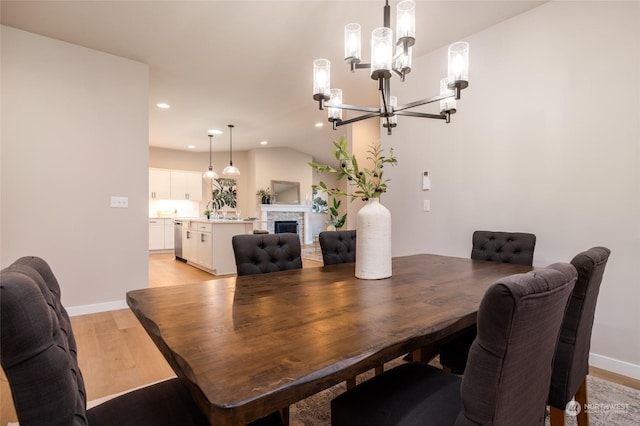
<point>219,221</point>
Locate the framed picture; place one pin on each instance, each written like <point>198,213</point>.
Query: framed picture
<point>320,202</point>
<point>224,193</point>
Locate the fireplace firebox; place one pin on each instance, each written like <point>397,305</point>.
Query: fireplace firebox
<point>285,226</point>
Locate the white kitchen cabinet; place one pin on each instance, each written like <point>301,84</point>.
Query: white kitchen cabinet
<point>202,254</point>
<point>161,236</point>
<point>169,235</point>
<point>207,244</point>
<point>188,244</point>
<point>156,234</point>
<point>186,185</point>
<point>159,184</point>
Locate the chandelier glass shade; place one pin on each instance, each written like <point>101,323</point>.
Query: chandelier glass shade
<point>230,170</point>
<point>210,173</point>
<point>384,64</point>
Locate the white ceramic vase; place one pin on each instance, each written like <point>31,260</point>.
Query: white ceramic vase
<point>373,241</point>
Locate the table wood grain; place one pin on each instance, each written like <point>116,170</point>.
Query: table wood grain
<point>251,345</point>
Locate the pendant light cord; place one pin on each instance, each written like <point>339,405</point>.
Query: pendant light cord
<point>210,136</point>
<point>230,144</point>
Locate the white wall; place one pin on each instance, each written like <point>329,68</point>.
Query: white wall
<point>74,133</point>
<point>546,140</point>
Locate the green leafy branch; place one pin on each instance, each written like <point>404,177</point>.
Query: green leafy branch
<point>334,216</point>
<point>368,183</point>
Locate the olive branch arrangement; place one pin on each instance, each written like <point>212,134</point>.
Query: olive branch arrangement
<point>368,183</point>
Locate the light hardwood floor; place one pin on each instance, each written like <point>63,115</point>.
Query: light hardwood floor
<point>115,353</point>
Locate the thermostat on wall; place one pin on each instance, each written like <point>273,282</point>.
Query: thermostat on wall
<point>426,181</point>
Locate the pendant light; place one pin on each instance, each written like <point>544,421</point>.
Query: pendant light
<point>230,170</point>
<point>210,174</point>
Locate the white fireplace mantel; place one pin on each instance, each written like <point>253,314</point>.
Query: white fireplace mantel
<point>264,209</point>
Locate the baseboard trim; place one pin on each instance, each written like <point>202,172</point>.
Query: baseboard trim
<point>615,365</point>
<point>98,307</point>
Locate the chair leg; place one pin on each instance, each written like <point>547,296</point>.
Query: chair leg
<point>556,417</point>
<point>379,369</point>
<point>581,397</point>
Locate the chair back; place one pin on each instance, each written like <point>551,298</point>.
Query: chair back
<point>262,253</point>
<point>507,378</point>
<point>506,247</point>
<point>571,363</point>
<point>38,352</point>
<point>338,246</point>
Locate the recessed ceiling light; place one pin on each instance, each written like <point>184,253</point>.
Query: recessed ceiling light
<point>215,132</point>
<point>191,146</point>
<point>319,124</point>
<point>263,142</point>
<point>163,106</point>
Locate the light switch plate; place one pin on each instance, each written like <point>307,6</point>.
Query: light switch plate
<point>426,205</point>
<point>120,202</point>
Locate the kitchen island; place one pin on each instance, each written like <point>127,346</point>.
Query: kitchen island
<point>206,244</point>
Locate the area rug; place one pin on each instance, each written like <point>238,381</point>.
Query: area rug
<point>610,404</point>
<point>312,253</point>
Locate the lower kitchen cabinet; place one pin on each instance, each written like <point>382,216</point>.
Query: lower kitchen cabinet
<point>161,234</point>
<point>156,234</point>
<point>203,245</point>
<point>207,244</point>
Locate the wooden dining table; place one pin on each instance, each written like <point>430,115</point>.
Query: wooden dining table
<point>248,346</point>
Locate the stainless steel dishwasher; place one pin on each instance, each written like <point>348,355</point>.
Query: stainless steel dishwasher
<point>177,229</point>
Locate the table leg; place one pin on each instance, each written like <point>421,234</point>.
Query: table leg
<point>351,383</point>
<point>284,413</point>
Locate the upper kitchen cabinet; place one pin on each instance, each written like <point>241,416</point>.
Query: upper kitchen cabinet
<point>165,184</point>
<point>186,185</point>
<point>159,184</point>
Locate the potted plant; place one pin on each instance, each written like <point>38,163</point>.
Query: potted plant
<point>207,213</point>
<point>265,195</point>
<point>335,221</point>
<point>373,223</point>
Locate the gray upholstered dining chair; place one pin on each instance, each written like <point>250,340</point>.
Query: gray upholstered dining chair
<point>38,354</point>
<point>338,246</point>
<point>508,373</point>
<point>258,253</point>
<point>571,363</point>
<point>506,247</point>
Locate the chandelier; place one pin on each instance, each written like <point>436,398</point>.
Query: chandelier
<point>383,65</point>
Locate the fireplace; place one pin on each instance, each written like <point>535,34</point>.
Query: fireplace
<point>285,226</point>
<point>268,214</point>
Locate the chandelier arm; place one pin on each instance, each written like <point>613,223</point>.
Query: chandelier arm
<point>423,102</point>
<point>356,66</point>
<point>338,123</point>
<point>355,108</point>
<point>422,115</point>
